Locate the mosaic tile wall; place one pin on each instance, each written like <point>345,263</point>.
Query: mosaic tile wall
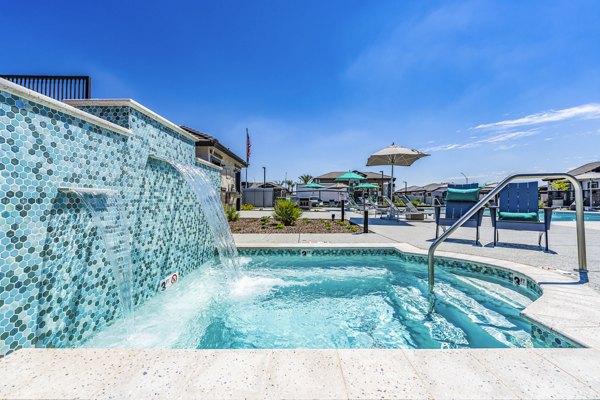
<point>56,285</point>
<point>521,283</point>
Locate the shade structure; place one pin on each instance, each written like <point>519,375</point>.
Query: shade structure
<point>338,186</point>
<point>350,176</point>
<point>395,155</point>
<point>313,185</point>
<point>366,186</point>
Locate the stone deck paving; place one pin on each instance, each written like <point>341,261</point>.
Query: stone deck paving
<point>301,374</point>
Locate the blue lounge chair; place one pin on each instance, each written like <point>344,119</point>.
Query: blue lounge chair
<point>459,199</point>
<point>518,210</point>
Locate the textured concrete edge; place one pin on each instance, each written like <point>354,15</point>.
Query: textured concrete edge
<point>558,290</point>
<point>63,107</point>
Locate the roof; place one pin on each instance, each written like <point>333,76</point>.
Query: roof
<point>367,175</point>
<point>207,140</point>
<point>589,167</point>
<point>427,188</point>
<point>267,185</point>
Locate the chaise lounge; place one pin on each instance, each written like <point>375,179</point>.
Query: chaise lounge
<point>518,210</point>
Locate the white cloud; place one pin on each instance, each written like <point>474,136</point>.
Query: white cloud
<point>503,137</point>
<point>584,111</point>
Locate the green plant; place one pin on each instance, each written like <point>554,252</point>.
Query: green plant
<point>279,226</point>
<point>541,204</point>
<point>306,220</point>
<point>342,223</point>
<point>306,178</point>
<point>232,214</point>
<point>353,228</point>
<point>399,203</point>
<point>248,207</point>
<point>561,185</point>
<point>264,219</point>
<point>327,225</point>
<point>416,203</point>
<point>286,212</point>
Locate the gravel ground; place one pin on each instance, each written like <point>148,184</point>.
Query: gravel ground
<point>303,225</point>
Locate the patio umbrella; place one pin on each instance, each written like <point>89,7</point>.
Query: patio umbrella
<point>366,186</point>
<point>350,176</point>
<point>338,186</point>
<point>313,185</point>
<point>395,155</point>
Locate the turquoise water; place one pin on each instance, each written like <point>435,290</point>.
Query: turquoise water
<point>324,302</point>
<point>563,215</point>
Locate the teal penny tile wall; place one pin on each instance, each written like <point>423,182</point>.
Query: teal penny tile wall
<point>56,284</point>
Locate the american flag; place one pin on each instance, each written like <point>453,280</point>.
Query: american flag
<point>248,146</point>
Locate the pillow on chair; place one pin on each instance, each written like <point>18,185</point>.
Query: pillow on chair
<point>455,194</point>
<point>519,217</point>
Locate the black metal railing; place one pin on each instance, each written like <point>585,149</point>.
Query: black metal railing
<point>56,86</point>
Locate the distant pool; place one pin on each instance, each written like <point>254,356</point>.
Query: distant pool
<point>331,301</point>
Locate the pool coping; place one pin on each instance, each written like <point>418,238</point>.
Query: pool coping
<point>565,305</point>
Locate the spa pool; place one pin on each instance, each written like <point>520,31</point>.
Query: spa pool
<point>328,298</point>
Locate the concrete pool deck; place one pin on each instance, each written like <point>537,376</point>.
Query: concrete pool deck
<point>567,306</point>
<point>301,374</point>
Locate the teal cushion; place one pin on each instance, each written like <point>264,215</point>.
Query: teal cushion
<point>455,194</point>
<point>521,217</point>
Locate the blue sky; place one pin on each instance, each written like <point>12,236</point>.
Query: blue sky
<point>488,88</point>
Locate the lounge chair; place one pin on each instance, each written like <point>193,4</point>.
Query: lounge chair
<point>518,210</point>
<point>459,200</point>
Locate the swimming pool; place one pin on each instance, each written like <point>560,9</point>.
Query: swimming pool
<point>324,299</point>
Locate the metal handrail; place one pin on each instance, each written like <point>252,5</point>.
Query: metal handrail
<point>581,253</point>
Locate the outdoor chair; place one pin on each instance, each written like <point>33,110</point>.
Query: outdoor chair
<point>518,210</point>
<point>459,200</point>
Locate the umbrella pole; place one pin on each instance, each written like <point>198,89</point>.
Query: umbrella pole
<point>392,185</point>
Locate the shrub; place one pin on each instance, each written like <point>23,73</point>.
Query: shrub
<point>279,226</point>
<point>399,203</point>
<point>327,225</point>
<point>416,203</point>
<point>264,219</point>
<point>232,215</point>
<point>286,212</point>
<point>342,223</point>
<point>247,207</point>
<point>541,204</point>
<point>353,228</point>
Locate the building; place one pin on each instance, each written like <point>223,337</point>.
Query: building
<point>370,177</point>
<point>261,194</point>
<point>589,177</point>
<point>426,194</point>
<point>210,149</point>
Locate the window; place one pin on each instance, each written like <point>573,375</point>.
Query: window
<point>593,185</point>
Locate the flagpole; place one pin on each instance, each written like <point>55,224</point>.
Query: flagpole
<point>247,159</point>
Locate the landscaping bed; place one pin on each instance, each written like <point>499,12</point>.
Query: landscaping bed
<point>302,225</point>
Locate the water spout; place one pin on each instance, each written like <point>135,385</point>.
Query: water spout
<point>108,213</point>
<point>210,202</point>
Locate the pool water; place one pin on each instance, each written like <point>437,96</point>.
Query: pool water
<point>562,215</point>
<point>324,302</point>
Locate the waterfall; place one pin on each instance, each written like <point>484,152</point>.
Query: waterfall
<point>108,214</point>
<point>210,202</point>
